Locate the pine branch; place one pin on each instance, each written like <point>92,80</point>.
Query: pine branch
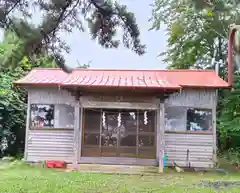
<point>64,15</point>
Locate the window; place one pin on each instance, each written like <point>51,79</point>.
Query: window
<point>119,133</point>
<point>51,116</point>
<point>42,115</point>
<point>190,119</point>
<point>199,119</point>
<point>175,119</point>
<point>64,116</point>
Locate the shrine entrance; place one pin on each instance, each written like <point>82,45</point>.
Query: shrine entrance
<point>119,133</point>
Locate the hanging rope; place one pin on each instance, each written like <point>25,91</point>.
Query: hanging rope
<point>119,119</point>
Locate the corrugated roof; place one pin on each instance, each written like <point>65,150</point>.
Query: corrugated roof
<point>124,78</point>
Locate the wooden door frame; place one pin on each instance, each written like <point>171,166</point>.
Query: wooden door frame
<point>82,129</point>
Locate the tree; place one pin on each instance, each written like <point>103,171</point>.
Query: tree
<point>195,37</point>
<point>229,114</point>
<point>12,99</point>
<point>63,15</point>
<point>198,34</point>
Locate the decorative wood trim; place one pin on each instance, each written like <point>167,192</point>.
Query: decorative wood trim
<point>191,132</point>
<point>27,128</point>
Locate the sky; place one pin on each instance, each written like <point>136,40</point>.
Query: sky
<point>84,50</point>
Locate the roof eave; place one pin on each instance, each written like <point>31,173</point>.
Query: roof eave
<point>207,86</point>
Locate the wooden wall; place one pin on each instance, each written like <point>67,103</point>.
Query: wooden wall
<point>59,144</point>
<point>204,98</point>
<point>202,147</point>
<point>50,145</point>
<point>50,96</point>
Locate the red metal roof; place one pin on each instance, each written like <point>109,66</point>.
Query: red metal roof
<point>169,79</point>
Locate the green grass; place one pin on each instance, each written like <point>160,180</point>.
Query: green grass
<point>30,179</point>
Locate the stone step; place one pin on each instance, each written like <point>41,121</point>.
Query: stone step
<point>121,169</point>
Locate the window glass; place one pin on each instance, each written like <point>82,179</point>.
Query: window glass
<point>199,119</point>
<point>190,119</point>
<point>64,116</point>
<point>42,115</point>
<point>175,118</point>
<point>57,116</point>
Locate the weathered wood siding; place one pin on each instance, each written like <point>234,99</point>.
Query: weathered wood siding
<point>200,149</point>
<point>203,98</point>
<point>50,96</point>
<point>200,146</point>
<point>50,145</point>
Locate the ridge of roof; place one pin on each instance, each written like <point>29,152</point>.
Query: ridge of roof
<point>133,70</point>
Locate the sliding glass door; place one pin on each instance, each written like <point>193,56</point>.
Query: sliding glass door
<point>119,133</point>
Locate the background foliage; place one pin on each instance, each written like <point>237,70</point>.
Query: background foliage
<point>197,38</point>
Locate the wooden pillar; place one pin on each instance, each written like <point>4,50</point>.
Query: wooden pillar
<point>76,133</point>
<point>27,128</point>
<point>80,134</point>
<point>160,133</point>
<point>214,116</point>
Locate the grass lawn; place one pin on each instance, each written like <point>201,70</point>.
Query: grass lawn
<point>32,179</point>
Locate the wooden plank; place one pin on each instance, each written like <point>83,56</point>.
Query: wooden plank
<point>201,98</point>
<point>50,96</point>
<point>106,97</point>
<point>192,155</point>
<point>119,105</point>
<point>50,132</point>
<point>50,149</point>
<point>191,148</point>
<point>50,128</point>
<point>48,143</point>
<point>197,164</point>
<point>27,129</point>
<point>33,158</point>
<point>51,154</point>
<point>191,132</point>
<point>198,139</point>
